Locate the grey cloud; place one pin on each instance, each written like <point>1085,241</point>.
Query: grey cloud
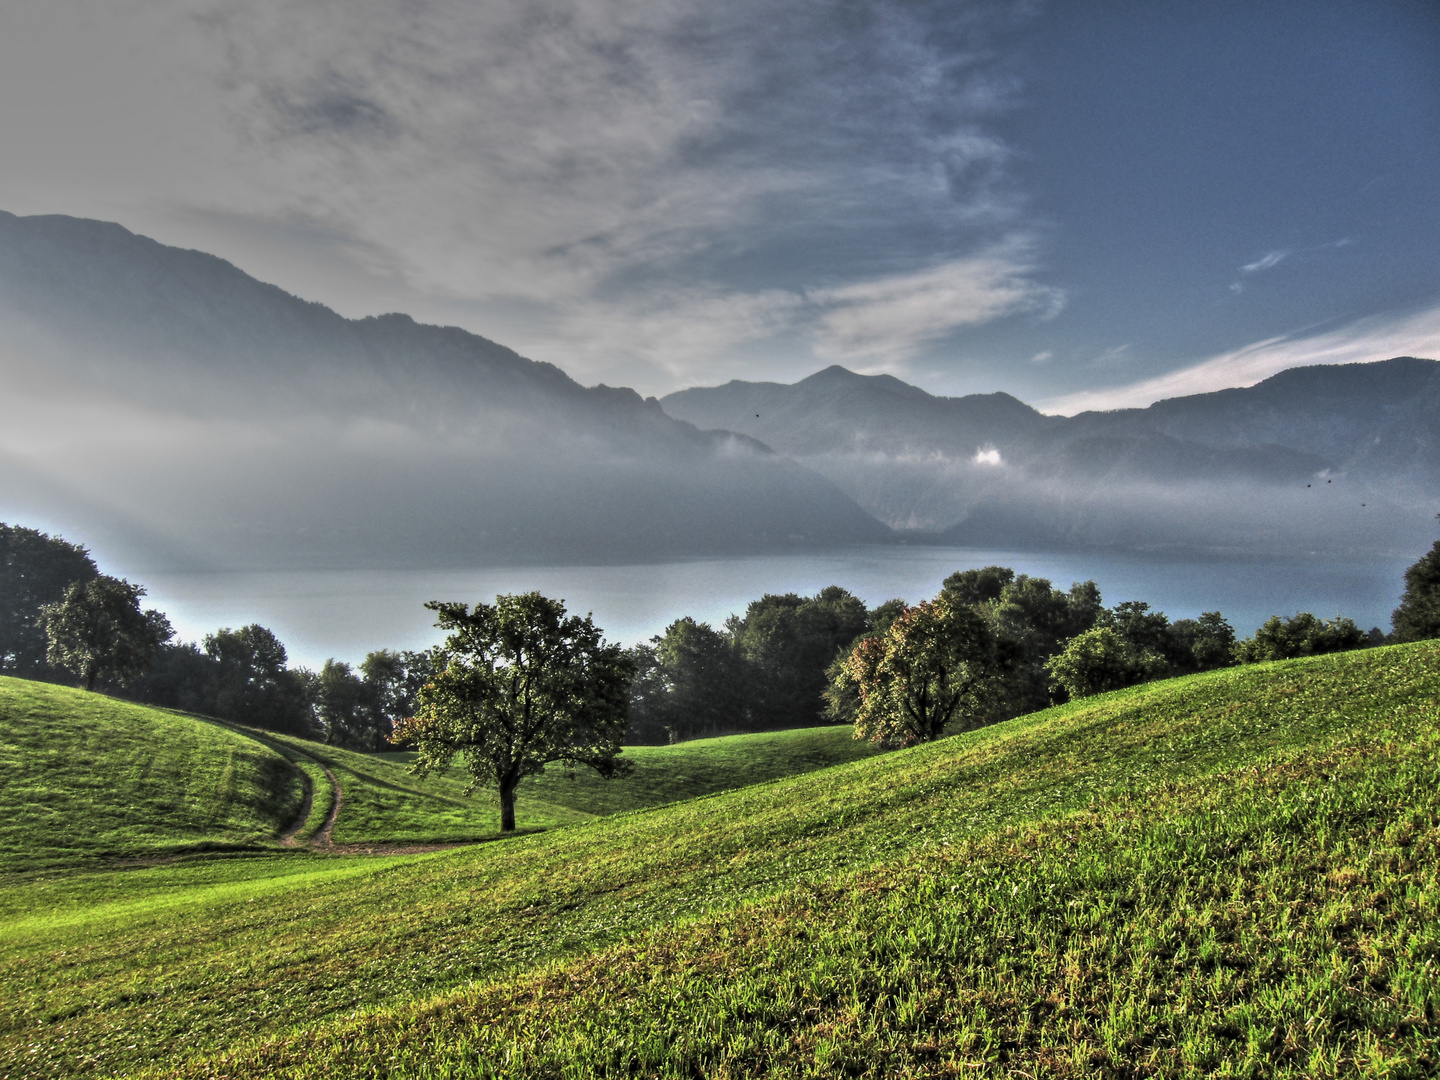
<point>329,107</point>
<point>586,150</point>
<point>553,157</point>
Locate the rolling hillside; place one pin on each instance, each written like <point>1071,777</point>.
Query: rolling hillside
<point>89,779</point>
<point>1240,869</point>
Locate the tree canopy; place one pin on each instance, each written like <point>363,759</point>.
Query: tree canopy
<point>250,682</point>
<point>787,642</point>
<point>35,570</point>
<point>934,666</point>
<point>518,686</point>
<point>98,630</point>
<point>1301,634</point>
<point>1418,616</point>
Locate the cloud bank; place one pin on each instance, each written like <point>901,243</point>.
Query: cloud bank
<point>1378,337</point>
<point>632,190</point>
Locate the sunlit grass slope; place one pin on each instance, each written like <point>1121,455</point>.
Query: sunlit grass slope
<point>665,774</point>
<point>1237,867</point>
<point>381,803</point>
<point>85,778</point>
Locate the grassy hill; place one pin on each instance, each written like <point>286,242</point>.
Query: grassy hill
<point>86,778</point>
<point>1239,870</point>
<point>381,803</point>
<point>688,770</point>
<point>91,780</point>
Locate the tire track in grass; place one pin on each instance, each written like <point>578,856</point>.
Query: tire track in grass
<point>323,837</point>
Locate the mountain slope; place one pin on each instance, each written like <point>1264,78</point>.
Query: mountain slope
<point>260,429</point>
<point>838,411</point>
<point>1227,469</point>
<point>1259,843</point>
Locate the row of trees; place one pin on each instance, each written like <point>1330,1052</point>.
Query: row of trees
<point>994,644</point>
<point>60,618</point>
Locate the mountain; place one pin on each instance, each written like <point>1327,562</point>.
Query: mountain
<point>165,401</point>
<point>1345,457</point>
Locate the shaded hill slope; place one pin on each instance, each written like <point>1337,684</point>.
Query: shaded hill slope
<point>261,429</point>
<point>1001,899</point>
<point>89,779</point>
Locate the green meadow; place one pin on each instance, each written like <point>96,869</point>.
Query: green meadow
<point>1233,874</point>
<point>88,779</point>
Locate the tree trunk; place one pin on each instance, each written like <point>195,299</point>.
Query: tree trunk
<point>507,807</point>
<point>90,676</point>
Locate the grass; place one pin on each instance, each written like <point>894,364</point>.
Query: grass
<point>88,779</point>
<point>688,770</point>
<point>381,803</point>
<point>1287,924</point>
<point>1135,884</point>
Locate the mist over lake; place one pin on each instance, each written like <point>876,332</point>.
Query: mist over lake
<point>347,613</point>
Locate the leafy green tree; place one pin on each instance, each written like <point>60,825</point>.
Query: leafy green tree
<point>343,707</point>
<point>35,570</point>
<point>392,682</point>
<point>97,629</point>
<point>180,676</point>
<point>1300,635</point>
<point>788,642</point>
<point>978,586</point>
<point>688,681</point>
<point>519,686</point>
<point>881,616</point>
<point>935,666</point>
<point>1208,640</point>
<point>1032,620</point>
<point>842,694</point>
<point>253,685</point>
<point>1098,660</point>
<point>1418,616</point>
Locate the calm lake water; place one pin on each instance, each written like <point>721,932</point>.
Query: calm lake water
<point>345,614</point>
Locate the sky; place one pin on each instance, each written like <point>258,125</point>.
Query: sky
<point>1086,205</point>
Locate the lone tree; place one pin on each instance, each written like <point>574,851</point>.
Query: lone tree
<point>935,665</point>
<point>97,629</point>
<point>519,686</point>
<point>1418,616</point>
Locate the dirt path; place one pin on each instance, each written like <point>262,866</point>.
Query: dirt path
<point>322,838</point>
<point>288,836</point>
<point>323,841</point>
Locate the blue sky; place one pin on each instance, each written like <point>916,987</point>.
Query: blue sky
<point>1083,204</point>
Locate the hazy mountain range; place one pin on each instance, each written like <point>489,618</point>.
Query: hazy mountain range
<point>163,401</point>
<point>1345,456</point>
<point>195,411</point>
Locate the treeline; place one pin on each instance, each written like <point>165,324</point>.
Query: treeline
<point>993,644</point>
<point>997,644</point>
<point>61,620</point>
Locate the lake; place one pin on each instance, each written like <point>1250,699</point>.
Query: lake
<point>347,613</point>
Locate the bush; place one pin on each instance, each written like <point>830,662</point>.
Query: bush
<point>1300,635</point>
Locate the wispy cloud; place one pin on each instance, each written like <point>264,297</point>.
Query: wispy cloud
<point>1269,259</point>
<point>684,335</point>
<point>667,161</point>
<point>887,320</point>
<point>1378,337</point>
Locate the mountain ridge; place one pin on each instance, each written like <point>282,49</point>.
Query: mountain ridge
<point>989,469</point>
<point>270,430</point>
